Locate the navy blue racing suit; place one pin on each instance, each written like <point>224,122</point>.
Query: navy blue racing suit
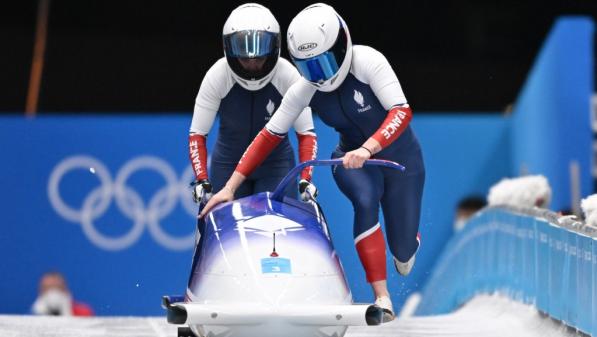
<point>243,113</point>
<point>357,105</point>
<point>399,193</point>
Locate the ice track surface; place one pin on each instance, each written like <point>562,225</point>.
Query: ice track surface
<point>485,316</point>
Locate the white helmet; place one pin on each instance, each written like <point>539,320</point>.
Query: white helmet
<point>320,46</point>
<point>251,37</point>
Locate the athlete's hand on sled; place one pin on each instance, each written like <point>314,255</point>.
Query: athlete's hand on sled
<point>356,158</point>
<point>202,191</point>
<point>224,195</point>
<point>307,190</point>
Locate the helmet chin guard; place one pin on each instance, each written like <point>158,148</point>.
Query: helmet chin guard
<point>254,85</point>
<point>251,39</point>
<point>320,46</point>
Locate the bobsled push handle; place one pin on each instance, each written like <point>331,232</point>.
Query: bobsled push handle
<point>291,176</point>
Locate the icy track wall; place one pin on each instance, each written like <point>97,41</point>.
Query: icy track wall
<point>530,255</point>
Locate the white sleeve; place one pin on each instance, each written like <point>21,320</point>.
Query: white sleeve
<point>286,76</point>
<point>304,123</point>
<point>371,67</point>
<point>215,86</point>
<point>294,105</point>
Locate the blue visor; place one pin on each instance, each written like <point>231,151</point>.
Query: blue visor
<point>251,43</point>
<point>319,68</point>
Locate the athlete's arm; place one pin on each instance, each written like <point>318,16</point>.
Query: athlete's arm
<point>214,87</point>
<point>286,76</point>
<point>370,66</point>
<point>307,141</point>
<point>307,150</point>
<point>392,127</point>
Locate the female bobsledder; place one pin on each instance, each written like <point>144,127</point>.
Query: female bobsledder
<point>355,91</point>
<point>244,88</point>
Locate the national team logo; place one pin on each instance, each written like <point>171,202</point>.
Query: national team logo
<point>358,97</point>
<point>270,108</point>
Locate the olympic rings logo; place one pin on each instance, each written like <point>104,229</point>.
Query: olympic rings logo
<point>128,201</point>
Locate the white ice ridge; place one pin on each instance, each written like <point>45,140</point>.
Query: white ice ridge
<point>484,316</point>
<point>589,208</point>
<point>526,191</point>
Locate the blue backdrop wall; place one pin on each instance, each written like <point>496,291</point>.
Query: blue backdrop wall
<point>105,201</point>
<point>551,128</point>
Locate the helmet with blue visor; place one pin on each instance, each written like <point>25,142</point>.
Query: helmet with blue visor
<point>251,38</point>
<point>320,46</point>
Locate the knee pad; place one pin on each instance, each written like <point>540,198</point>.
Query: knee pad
<point>372,253</point>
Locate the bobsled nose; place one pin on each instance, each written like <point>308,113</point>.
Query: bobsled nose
<point>318,315</point>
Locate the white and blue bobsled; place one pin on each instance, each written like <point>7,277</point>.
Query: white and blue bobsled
<point>266,266</point>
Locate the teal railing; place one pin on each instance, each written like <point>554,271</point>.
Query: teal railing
<point>532,256</point>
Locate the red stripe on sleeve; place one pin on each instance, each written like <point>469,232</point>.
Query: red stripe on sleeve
<point>263,144</point>
<point>198,155</point>
<point>395,123</point>
<point>307,151</point>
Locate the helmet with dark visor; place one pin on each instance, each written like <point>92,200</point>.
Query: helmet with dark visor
<point>252,44</point>
<point>320,68</point>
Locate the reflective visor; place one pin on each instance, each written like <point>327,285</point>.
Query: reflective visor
<point>319,68</point>
<point>251,43</point>
<point>323,67</point>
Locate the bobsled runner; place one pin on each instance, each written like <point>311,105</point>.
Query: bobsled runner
<point>264,265</point>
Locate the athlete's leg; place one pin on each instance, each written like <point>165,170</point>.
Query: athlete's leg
<point>401,205</point>
<point>364,188</point>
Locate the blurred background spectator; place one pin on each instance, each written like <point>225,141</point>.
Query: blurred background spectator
<point>55,298</point>
<point>465,209</point>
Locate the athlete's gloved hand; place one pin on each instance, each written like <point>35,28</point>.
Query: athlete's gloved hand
<point>202,191</point>
<point>307,190</point>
